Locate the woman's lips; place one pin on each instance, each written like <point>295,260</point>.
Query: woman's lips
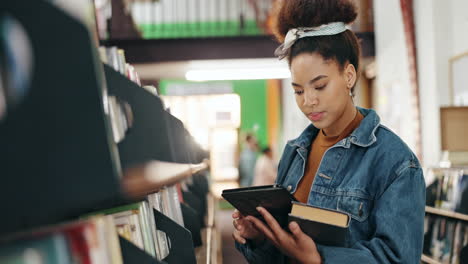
<point>316,116</point>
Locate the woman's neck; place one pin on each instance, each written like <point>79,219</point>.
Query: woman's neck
<point>340,125</point>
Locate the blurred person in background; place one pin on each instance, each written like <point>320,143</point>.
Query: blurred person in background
<point>247,161</point>
<point>265,168</point>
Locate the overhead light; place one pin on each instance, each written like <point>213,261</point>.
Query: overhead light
<point>237,69</point>
<point>238,74</point>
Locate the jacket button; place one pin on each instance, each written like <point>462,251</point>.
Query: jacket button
<point>289,188</point>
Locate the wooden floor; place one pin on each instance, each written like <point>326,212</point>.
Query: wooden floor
<point>230,255</point>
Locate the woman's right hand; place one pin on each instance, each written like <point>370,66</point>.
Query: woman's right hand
<point>244,229</point>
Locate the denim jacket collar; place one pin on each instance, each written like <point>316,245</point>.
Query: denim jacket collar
<point>363,136</point>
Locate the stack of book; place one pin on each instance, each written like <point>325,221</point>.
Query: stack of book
<point>445,239</point>
<point>446,222</point>
<point>93,240</point>
<point>448,190</point>
<point>167,201</point>
<point>325,226</point>
<point>136,223</point>
<point>115,58</point>
<point>121,117</point>
<point>199,18</point>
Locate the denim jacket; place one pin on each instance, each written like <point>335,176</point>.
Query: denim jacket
<point>374,177</point>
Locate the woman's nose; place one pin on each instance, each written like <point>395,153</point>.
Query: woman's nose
<point>310,98</point>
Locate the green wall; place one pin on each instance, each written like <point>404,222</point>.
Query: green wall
<point>253,99</point>
<point>253,107</point>
<point>199,29</point>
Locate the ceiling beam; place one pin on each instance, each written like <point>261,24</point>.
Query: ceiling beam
<point>242,47</point>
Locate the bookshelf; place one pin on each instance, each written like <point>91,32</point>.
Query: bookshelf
<point>59,160</point>
<point>446,213</point>
<point>148,178</point>
<point>58,140</point>
<point>426,259</point>
<point>445,236</point>
<point>210,252</point>
<point>203,48</point>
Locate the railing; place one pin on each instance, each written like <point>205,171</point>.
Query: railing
<point>191,18</point>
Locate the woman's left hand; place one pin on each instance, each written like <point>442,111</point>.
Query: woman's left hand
<point>297,245</point>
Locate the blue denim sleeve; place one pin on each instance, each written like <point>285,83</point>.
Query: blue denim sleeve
<point>398,217</point>
<point>265,253</point>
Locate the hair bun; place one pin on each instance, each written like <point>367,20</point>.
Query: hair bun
<point>312,13</point>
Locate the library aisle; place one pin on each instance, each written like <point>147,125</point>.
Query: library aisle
<point>122,122</point>
<point>230,255</point>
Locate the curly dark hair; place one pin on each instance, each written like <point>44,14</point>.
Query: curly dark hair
<point>342,48</point>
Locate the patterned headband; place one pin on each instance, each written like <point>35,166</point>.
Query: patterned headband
<point>296,33</point>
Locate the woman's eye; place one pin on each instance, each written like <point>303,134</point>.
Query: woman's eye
<point>298,92</point>
<point>320,87</point>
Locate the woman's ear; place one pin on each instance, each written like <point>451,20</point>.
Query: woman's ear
<point>350,75</point>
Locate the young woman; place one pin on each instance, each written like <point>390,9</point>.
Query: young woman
<point>345,160</point>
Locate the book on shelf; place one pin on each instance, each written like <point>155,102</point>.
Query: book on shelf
<point>171,204</point>
<point>136,223</point>
<point>115,58</point>
<point>121,117</point>
<point>128,225</point>
<point>448,190</point>
<point>93,240</point>
<point>51,249</point>
<point>442,240</point>
<point>325,226</point>
<point>445,239</point>
<point>152,89</point>
<point>156,202</point>
<point>83,234</point>
<point>167,202</point>
<point>460,240</point>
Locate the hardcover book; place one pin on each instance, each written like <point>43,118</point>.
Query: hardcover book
<point>136,219</point>
<point>324,226</point>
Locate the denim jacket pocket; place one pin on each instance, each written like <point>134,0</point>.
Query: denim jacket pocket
<point>358,208</point>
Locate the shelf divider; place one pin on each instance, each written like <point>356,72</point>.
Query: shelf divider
<point>132,254</point>
<point>427,259</point>
<point>446,213</point>
<point>148,178</point>
<point>181,249</point>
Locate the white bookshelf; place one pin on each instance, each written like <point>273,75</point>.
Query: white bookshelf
<point>442,212</point>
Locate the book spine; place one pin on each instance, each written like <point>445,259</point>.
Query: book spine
<point>146,231</point>
<point>113,240</point>
<point>137,235</point>
<point>152,224</point>
<point>175,205</point>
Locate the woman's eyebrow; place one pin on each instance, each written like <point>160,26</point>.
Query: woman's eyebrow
<point>311,81</point>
